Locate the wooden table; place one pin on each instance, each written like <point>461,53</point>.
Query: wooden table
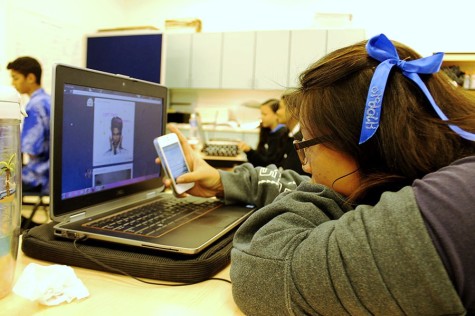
<point>112,294</point>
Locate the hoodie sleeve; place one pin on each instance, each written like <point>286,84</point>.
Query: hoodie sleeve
<point>309,254</point>
<point>258,185</point>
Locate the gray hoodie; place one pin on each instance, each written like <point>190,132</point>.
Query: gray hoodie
<point>307,253</point>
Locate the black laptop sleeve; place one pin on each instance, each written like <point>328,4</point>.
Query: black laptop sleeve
<point>40,243</point>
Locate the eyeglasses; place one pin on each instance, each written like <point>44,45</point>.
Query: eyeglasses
<point>301,145</point>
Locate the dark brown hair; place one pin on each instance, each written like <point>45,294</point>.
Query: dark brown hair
<point>116,122</point>
<point>411,140</point>
<point>264,132</point>
<point>273,104</point>
<point>26,65</point>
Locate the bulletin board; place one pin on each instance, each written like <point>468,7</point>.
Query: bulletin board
<point>135,55</point>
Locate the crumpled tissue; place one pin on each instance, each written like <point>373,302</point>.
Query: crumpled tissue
<point>50,285</point>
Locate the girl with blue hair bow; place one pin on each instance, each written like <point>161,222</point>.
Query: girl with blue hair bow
<point>385,224</point>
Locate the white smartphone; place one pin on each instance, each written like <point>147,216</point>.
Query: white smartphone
<point>173,160</point>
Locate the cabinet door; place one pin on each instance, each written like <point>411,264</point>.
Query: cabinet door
<point>238,60</point>
<point>341,38</point>
<point>306,47</point>
<point>178,59</point>
<point>272,60</point>
<point>206,60</point>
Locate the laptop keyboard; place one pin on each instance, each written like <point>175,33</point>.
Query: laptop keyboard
<point>221,150</point>
<point>155,219</point>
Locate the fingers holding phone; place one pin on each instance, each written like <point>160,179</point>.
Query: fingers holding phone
<point>206,179</point>
<point>172,157</point>
<point>187,150</point>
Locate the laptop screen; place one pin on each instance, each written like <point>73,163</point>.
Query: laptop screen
<point>102,137</point>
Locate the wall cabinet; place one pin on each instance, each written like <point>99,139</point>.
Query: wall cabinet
<point>271,60</point>
<point>238,60</point>
<point>178,60</point>
<point>264,60</point>
<point>206,54</point>
<point>339,38</point>
<point>193,60</point>
<point>306,47</point>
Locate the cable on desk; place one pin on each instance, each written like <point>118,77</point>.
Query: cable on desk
<point>119,271</point>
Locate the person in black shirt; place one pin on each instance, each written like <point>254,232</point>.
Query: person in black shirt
<point>290,159</point>
<point>272,138</point>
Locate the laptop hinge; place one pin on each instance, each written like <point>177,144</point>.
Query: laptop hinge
<point>77,217</point>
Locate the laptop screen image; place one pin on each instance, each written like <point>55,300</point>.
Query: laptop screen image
<point>106,140</point>
<point>104,144</point>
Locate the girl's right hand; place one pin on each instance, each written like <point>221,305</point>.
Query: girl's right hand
<point>207,179</point>
<point>244,147</point>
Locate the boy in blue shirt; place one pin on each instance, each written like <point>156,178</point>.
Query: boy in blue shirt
<point>35,136</point>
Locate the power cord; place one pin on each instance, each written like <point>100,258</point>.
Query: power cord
<point>119,271</point>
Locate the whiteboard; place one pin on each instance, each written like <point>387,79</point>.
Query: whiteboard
<point>46,39</point>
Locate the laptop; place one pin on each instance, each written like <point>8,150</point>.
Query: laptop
<point>103,168</point>
<point>216,147</point>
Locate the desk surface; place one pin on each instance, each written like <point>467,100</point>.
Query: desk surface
<point>113,294</point>
<point>225,163</point>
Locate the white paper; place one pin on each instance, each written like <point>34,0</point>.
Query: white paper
<point>50,285</point>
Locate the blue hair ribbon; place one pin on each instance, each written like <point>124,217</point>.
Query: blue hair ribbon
<point>383,50</point>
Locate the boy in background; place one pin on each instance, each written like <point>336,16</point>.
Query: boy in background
<point>35,135</point>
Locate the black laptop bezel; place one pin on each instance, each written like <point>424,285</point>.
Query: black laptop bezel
<point>66,74</point>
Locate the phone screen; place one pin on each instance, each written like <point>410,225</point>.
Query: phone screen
<point>175,160</point>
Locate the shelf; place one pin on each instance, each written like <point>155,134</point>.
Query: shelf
<point>459,57</point>
<point>465,61</point>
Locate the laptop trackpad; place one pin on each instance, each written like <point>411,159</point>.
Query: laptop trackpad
<point>197,232</point>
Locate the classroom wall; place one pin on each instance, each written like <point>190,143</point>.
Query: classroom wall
<point>426,25</point>
<point>54,30</point>
<point>3,34</point>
